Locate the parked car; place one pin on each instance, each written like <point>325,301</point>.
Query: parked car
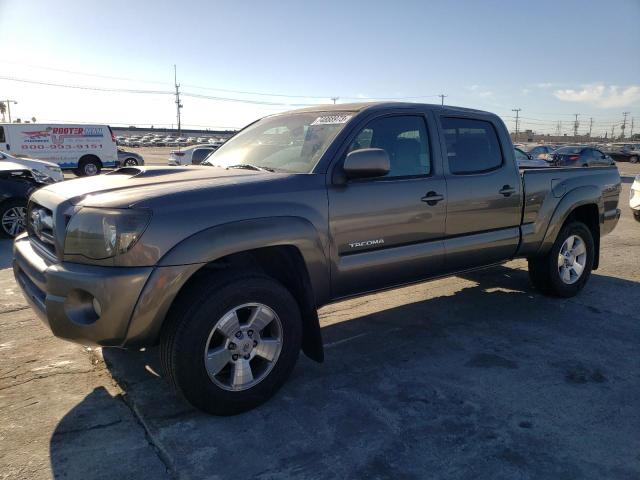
<point>580,156</point>
<point>16,184</point>
<point>85,149</point>
<point>225,264</point>
<point>193,155</point>
<point>129,159</point>
<point>525,160</point>
<point>45,172</point>
<point>625,153</point>
<point>541,152</point>
<point>634,198</point>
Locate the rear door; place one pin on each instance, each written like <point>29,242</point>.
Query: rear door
<point>484,192</point>
<point>389,230</point>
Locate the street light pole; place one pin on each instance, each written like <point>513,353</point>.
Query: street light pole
<point>9,102</point>
<point>517,110</point>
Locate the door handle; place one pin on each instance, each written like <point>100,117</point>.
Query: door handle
<point>432,198</point>
<point>507,190</point>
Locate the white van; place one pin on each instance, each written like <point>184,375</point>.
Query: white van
<point>86,149</point>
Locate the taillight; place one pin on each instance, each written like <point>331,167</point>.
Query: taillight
<point>573,158</point>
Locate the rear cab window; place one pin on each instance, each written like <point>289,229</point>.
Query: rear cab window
<point>472,145</point>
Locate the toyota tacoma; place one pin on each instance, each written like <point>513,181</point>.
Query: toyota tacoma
<point>224,264</point>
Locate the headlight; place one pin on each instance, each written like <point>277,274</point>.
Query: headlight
<point>41,177</point>
<point>53,168</point>
<point>98,233</point>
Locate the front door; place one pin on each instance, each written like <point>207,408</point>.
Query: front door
<point>389,230</point>
<point>484,194</point>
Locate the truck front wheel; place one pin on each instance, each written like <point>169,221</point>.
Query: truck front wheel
<point>565,269</point>
<point>231,343</point>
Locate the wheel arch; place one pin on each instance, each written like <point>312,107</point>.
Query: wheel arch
<point>288,249</point>
<point>584,204</point>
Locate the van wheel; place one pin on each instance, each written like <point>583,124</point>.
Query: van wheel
<point>230,344</point>
<point>12,218</point>
<point>565,270</point>
<point>89,166</point>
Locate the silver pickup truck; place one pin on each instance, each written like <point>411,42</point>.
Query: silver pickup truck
<point>224,265</point>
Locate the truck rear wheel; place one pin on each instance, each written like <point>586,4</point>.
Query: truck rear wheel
<point>89,166</point>
<point>566,268</point>
<point>231,343</point>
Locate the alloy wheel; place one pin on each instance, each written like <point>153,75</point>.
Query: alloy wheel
<point>243,346</point>
<point>572,259</point>
<point>13,220</point>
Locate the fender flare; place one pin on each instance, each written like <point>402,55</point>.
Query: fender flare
<point>585,195</point>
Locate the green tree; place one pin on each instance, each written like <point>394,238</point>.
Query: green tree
<point>3,109</point>
<point>33,119</point>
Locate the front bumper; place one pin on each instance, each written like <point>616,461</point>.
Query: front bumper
<point>63,294</point>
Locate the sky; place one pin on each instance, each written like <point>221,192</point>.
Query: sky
<point>551,59</point>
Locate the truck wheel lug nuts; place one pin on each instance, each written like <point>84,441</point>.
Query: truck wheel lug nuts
<point>246,357</point>
<point>238,334</point>
<point>232,346</point>
<point>255,343</point>
<point>234,357</point>
<point>250,333</point>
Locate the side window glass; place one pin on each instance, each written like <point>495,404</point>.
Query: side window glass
<point>2,139</point>
<point>405,140</point>
<point>199,155</point>
<point>472,145</point>
<point>520,156</point>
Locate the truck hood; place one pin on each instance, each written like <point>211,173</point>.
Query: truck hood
<point>126,187</point>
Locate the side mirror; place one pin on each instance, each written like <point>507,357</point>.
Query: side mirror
<point>367,163</point>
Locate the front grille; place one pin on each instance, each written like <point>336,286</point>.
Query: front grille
<point>40,227</point>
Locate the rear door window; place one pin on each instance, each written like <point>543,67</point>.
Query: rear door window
<point>472,145</point>
<point>2,139</point>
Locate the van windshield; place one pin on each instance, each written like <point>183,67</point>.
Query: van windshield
<point>282,143</point>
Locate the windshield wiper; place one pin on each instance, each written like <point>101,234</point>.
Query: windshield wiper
<point>248,166</point>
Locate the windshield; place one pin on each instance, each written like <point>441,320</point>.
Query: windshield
<point>570,150</point>
<point>283,143</point>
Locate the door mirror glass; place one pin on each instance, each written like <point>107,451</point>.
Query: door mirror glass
<point>367,163</point>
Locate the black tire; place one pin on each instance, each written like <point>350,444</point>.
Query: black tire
<point>89,166</point>
<point>5,209</point>
<point>187,330</point>
<point>633,159</point>
<point>543,271</point>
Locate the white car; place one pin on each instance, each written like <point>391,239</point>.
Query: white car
<point>43,171</point>
<point>634,198</point>
<point>194,155</point>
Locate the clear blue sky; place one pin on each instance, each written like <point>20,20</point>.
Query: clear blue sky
<point>550,58</point>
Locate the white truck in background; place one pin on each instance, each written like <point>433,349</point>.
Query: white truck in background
<point>85,149</point>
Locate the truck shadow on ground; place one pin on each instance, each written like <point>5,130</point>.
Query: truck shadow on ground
<point>490,380</point>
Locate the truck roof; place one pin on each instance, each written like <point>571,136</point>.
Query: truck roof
<point>384,105</point>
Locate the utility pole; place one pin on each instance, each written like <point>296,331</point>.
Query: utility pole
<point>559,128</point>
<point>613,129</point>
<point>631,134</point>
<point>590,126</point>
<point>442,96</point>
<point>517,110</point>
<point>624,123</point>
<point>178,104</point>
<point>335,99</point>
<point>8,103</point>
<point>575,125</point>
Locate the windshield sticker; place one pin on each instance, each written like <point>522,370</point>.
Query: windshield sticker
<point>331,119</point>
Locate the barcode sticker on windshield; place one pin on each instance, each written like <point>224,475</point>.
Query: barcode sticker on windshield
<point>331,119</point>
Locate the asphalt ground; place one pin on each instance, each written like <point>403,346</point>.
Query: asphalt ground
<point>476,376</point>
